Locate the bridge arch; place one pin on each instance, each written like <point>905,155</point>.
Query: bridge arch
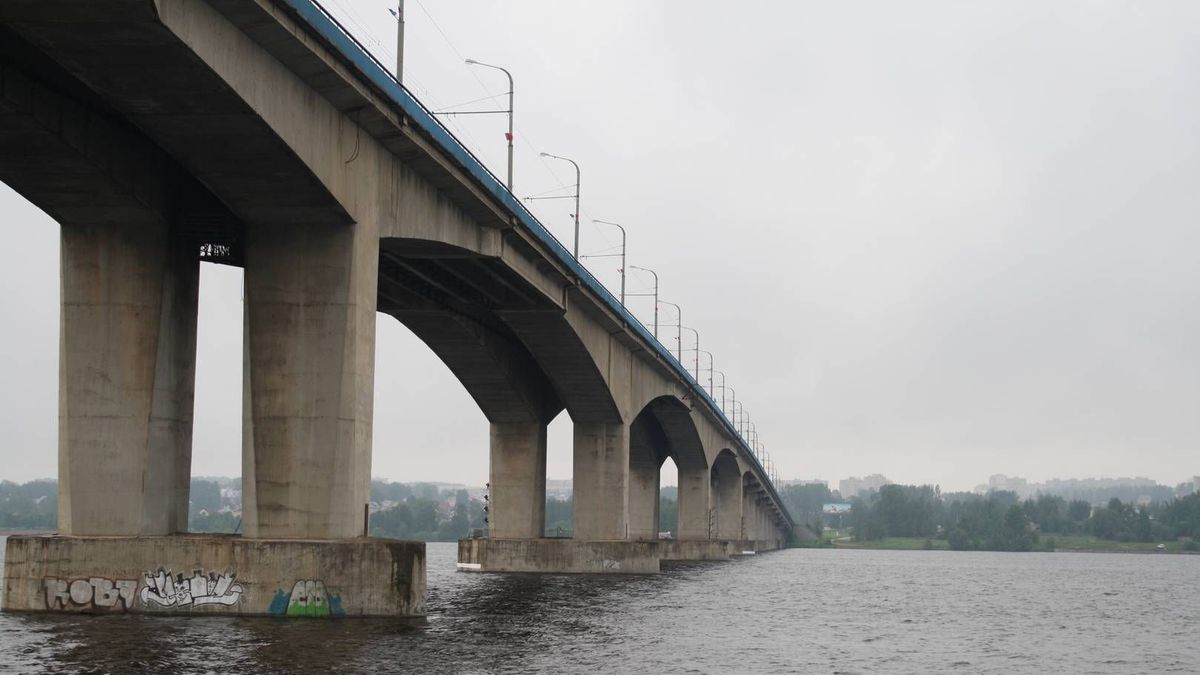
<point>726,487</point>
<point>664,428</point>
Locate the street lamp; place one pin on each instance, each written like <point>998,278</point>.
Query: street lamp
<point>655,294</point>
<point>722,388</point>
<point>678,330</point>
<point>710,370</point>
<point>696,349</point>
<point>609,255</point>
<point>576,165</point>
<point>509,135</point>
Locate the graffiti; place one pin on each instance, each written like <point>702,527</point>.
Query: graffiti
<point>606,565</point>
<point>95,592</point>
<point>164,589</point>
<point>308,598</point>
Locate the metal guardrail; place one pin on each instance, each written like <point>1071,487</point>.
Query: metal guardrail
<point>342,40</point>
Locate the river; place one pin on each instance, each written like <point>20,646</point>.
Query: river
<point>802,610</point>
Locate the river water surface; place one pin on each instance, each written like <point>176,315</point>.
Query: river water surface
<point>802,610</point>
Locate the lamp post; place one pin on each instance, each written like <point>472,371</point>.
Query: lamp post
<point>734,404</point>
<point>655,294</point>
<point>678,330</point>
<point>722,388</point>
<point>696,349</point>
<point>399,14</point>
<point>509,135</point>
<point>609,255</point>
<point>576,165</point>
<point>710,371</point>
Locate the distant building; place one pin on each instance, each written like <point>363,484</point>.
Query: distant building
<point>1012,484</point>
<point>854,486</point>
<point>558,489</point>
<point>803,481</point>
<point>835,509</point>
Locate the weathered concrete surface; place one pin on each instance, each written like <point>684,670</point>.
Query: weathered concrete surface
<point>726,497</point>
<point>697,549</point>
<point>360,577</point>
<point>558,556</point>
<point>127,357</point>
<point>517,506</point>
<point>600,478</point>
<point>310,303</point>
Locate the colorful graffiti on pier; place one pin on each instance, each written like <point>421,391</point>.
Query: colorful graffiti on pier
<point>91,593</point>
<point>165,589</point>
<point>308,598</point>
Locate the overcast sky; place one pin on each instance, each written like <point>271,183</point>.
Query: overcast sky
<point>934,240</point>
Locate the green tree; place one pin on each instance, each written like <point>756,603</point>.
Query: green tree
<point>668,515</point>
<point>559,517</point>
<point>204,495</point>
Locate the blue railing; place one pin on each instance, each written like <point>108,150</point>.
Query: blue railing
<point>330,29</point>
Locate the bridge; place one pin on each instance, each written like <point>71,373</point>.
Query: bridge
<point>259,133</point>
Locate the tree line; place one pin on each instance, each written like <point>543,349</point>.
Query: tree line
<point>1001,521</point>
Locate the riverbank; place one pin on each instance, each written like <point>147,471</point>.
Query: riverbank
<point>1070,543</point>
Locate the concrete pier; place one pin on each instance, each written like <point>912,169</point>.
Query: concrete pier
<point>214,574</point>
<point>517,506</point>
<point>601,474</point>
<point>310,302</point>
<point>558,556</point>
<point>126,369</point>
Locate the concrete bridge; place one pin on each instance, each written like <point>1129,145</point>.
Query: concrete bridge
<point>257,133</point>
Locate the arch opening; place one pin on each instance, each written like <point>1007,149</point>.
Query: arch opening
<point>664,429</point>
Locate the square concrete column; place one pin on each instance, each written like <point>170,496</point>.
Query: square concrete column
<point>310,303</point>
<point>601,470</point>
<point>693,503</point>
<point>644,472</point>
<point>729,511</point>
<point>127,354</point>
<point>517,474</point>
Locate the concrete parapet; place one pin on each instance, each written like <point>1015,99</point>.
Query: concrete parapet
<point>214,574</point>
<point>558,556</point>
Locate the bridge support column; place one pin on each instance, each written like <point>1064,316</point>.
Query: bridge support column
<point>127,354</point>
<point>310,302</point>
<point>517,498</point>
<point>694,496</point>
<point>644,471</point>
<point>600,477</point>
<point>729,511</point>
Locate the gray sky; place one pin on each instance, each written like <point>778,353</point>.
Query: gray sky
<point>935,240</point>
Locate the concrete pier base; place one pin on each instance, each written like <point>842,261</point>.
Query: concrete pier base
<point>214,574</point>
<point>558,556</point>
<point>575,556</point>
<point>699,549</point>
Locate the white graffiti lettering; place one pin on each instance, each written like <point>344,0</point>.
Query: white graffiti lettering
<point>165,589</point>
<point>89,593</point>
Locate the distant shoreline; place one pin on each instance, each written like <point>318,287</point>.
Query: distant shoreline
<point>1064,544</point>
